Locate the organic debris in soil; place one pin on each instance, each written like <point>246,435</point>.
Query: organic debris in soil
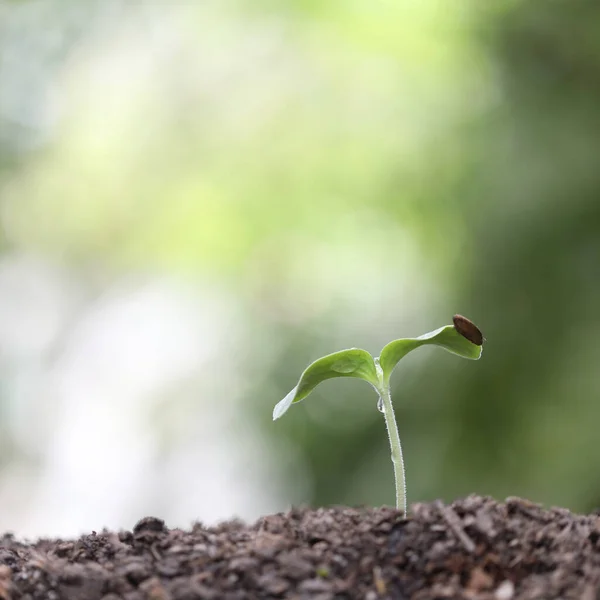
<point>474,549</point>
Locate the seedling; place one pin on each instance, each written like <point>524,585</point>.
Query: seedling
<point>462,338</point>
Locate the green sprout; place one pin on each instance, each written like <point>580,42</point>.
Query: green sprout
<point>462,338</point>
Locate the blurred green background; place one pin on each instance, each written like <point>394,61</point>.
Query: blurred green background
<point>199,199</point>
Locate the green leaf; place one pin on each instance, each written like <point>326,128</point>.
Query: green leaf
<point>447,337</point>
<point>345,363</point>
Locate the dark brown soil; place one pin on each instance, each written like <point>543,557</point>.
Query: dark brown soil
<point>474,549</point>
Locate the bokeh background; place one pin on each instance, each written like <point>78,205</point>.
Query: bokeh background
<point>197,199</point>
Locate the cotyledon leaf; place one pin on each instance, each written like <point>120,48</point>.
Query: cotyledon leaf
<point>447,337</point>
<point>345,363</point>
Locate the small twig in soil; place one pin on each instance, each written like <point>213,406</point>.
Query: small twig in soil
<point>379,582</point>
<point>455,524</point>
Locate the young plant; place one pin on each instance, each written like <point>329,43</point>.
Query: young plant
<point>462,338</point>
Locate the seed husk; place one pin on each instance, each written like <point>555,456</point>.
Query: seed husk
<point>468,329</point>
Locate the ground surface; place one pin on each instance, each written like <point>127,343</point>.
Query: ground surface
<point>475,549</point>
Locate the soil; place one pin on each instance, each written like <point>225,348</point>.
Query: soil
<point>476,549</point>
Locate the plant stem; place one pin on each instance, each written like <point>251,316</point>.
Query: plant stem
<point>395,446</point>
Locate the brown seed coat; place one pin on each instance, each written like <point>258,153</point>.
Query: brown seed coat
<point>468,329</point>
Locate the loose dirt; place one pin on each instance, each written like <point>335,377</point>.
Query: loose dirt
<point>474,549</point>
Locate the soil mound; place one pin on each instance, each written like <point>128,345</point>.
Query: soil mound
<point>474,549</point>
